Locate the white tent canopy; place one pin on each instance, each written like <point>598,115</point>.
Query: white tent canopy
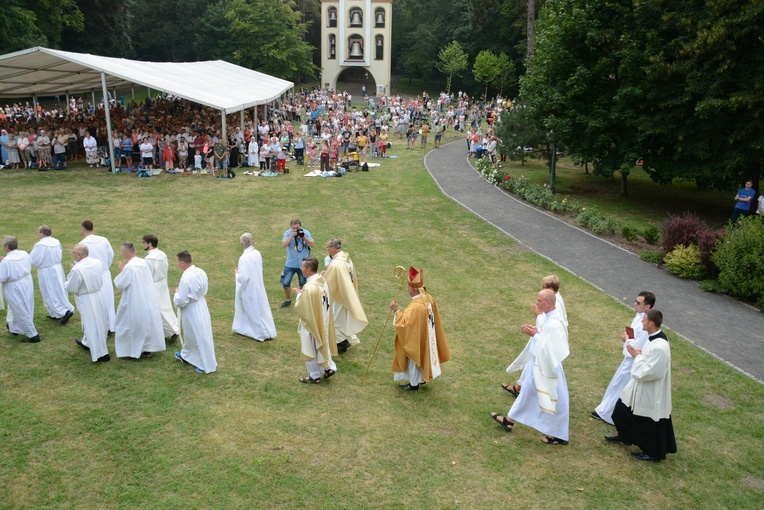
<point>226,87</point>
<point>221,85</point>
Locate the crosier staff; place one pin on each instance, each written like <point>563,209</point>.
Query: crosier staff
<point>399,272</point>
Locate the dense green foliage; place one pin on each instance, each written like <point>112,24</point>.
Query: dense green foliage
<point>678,85</point>
<point>740,258</point>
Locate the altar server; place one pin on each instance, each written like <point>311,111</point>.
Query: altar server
<point>46,257</point>
<point>85,281</point>
<point>99,248</point>
<point>139,324</point>
<point>158,264</point>
<point>196,325</point>
<point>16,277</point>
<point>252,312</point>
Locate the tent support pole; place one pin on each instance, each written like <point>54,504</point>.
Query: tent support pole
<point>107,114</point>
<point>132,91</point>
<point>241,121</point>
<point>222,128</point>
<point>34,102</point>
<point>68,110</point>
<point>92,93</point>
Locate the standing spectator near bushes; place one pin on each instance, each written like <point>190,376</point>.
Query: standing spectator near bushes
<point>760,207</point>
<point>743,199</point>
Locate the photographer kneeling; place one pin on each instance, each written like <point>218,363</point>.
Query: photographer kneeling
<point>298,243</point>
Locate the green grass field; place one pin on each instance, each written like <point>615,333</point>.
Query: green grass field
<point>154,434</point>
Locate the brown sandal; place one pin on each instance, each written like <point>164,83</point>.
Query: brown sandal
<point>514,389</point>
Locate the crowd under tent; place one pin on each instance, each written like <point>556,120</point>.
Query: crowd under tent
<point>42,72</point>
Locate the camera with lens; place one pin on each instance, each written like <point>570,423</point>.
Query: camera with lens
<point>300,233</point>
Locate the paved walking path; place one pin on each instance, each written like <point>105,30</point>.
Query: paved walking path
<point>728,329</point>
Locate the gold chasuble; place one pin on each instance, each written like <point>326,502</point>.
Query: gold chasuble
<point>316,322</point>
<point>420,337</point>
<point>342,280</point>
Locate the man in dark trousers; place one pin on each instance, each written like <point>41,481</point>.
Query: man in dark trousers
<point>642,415</point>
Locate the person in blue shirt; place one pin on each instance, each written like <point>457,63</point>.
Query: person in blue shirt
<point>743,201</point>
<point>298,243</point>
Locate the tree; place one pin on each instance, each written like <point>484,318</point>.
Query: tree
<point>486,68</point>
<point>505,76</point>
<point>452,60</point>
<point>106,29</point>
<point>706,75</point>
<point>268,36</point>
<point>25,23</point>
<point>585,85</point>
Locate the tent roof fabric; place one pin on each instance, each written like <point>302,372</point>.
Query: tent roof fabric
<point>215,83</point>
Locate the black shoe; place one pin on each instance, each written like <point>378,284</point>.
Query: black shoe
<point>596,416</point>
<point>103,359</point>
<point>408,387</point>
<point>79,342</point>
<point>343,346</point>
<point>616,439</point>
<point>286,303</point>
<point>32,339</point>
<point>67,316</point>
<point>644,456</point>
<point>173,338</point>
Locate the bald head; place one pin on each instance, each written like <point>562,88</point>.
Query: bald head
<point>546,300</point>
<point>79,252</point>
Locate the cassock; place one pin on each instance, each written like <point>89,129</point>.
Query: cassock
<point>85,281</point>
<point>543,402</point>
<point>643,413</point>
<point>252,312</point>
<point>139,324</point>
<point>16,277</point>
<point>156,259</point>
<point>622,375</point>
<point>198,345</point>
<point>100,249</point>
<point>349,317</point>
<point>316,327</point>
<point>420,341</point>
<point>46,257</point>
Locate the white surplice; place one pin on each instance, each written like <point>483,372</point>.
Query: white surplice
<point>46,257</point>
<point>622,375</point>
<point>198,345</point>
<point>100,249</point>
<point>345,302</point>
<point>16,277</point>
<point>252,311</point>
<point>648,393</point>
<point>158,264</point>
<point>139,325</point>
<point>85,281</point>
<point>543,401</point>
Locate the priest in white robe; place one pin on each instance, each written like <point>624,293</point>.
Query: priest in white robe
<point>100,249</point>
<point>252,311</point>
<point>642,415</point>
<point>604,411</point>
<point>46,257</point>
<point>195,322</point>
<point>85,281</point>
<point>139,326</point>
<point>158,264</point>
<point>543,403</point>
<point>16,278</point>
<point>342,279</point>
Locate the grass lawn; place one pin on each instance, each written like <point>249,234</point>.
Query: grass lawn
<point>647,203</point>
<point>154,434</point>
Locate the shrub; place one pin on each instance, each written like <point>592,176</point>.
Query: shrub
<point>740,258</point>
<point>597,223</point>
<point>630,233</point>
<point>650,256</point>
<point>652,235</point>
<point>707,240</point>
<point>684,261</point>
<point>686,230</point>
<point>680,230</point>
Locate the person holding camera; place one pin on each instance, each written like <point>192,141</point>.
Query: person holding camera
<point>298,243</point>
